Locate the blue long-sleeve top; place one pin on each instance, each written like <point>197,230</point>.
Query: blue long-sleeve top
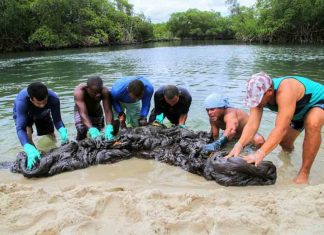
<point>24,109</point>
<point>120,93</point>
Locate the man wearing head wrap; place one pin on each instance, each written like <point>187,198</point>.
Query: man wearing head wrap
<point>300,105</point>
<point>232,120</point>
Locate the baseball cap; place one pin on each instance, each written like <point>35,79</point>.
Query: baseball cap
<point>256,86</point>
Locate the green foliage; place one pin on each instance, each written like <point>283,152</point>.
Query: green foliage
<point>197,24</point>
<point>45,37</point>
<point>44,24</point>
<point>161,31</point>
<point>69,23</point>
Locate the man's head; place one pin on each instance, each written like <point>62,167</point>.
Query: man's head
<point>136,89</point>
<point>171,95</point>
<point>215,105</point>
<point>38,94</point>
<point>94,87</point>
<point>259,90</point>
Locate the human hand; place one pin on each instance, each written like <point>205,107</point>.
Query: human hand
<point>32,154</point>
<point>255,158</point>
<point>142,121</point>
<point>159,118</point>
<point>63,135</point>
<point>94,133</point>
<point>182,126</point>
<point>109,132</point>
<point>235,151</point>
<point>212,147</point>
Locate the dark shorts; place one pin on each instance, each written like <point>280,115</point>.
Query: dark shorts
<point>299,124</point>
<point>82,130</point>
<point>44,125</point>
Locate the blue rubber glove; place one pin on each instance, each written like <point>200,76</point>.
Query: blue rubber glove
<point>182,126</point>
<point>94,133</point>
<point>32,155</point>
<point>212,146</point>
<point>159,118</point>
<point>63,135</point>
<point>216,145</point>
<point>109,132</point>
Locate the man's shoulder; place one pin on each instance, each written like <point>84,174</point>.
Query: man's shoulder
<point>53,97</point>
<point>22,95</point>
<point>236,112</point>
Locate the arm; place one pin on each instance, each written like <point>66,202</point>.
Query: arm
<point>231,123</point>
<point>79,101</point>
<point>56,113</point>
<point>183,116</point>
<point>214,130</point>
<point>146,101</point>
<point>115,96</point>
<point>249,131</point>
<point>182,119</point>
<point>107,106</point>
<point>251,126</point>
<point>21,122</point>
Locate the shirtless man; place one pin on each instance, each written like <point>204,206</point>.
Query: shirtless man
<point>300,105</point>
<point>231,120</point>
<point>88,114</point>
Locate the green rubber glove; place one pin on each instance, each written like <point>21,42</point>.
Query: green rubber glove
<point>63,135</point>
<point>32,155</point>
<point>109,132</point>
<point>159,118</point>
<point>182,126</point>
<point>94,133</point>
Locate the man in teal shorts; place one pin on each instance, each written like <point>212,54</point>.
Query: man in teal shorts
<point>300,105</point>
<point>131,99</point>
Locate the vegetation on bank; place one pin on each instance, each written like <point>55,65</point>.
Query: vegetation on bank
<point>51,24</point>
<point>38,24</point>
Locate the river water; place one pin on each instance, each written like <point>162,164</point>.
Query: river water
<point>201,68</point>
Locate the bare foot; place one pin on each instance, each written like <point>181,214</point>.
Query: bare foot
<point>302,178</point>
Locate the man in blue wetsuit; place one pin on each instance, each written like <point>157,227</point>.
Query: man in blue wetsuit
<point>40,106</point>
<point>126,95</point>
<point>173,103</point>
<point>300,105</point>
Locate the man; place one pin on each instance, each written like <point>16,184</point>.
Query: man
<point>299,103</point>
<point>88,114</point>
<point>173,103</point>
<point>232,120</point>
<point>41,106</point>
<point>126,95</point>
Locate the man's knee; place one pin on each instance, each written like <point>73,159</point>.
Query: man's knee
<point>287,146</point>
<point>258,141</point>
<point>313,125</point>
